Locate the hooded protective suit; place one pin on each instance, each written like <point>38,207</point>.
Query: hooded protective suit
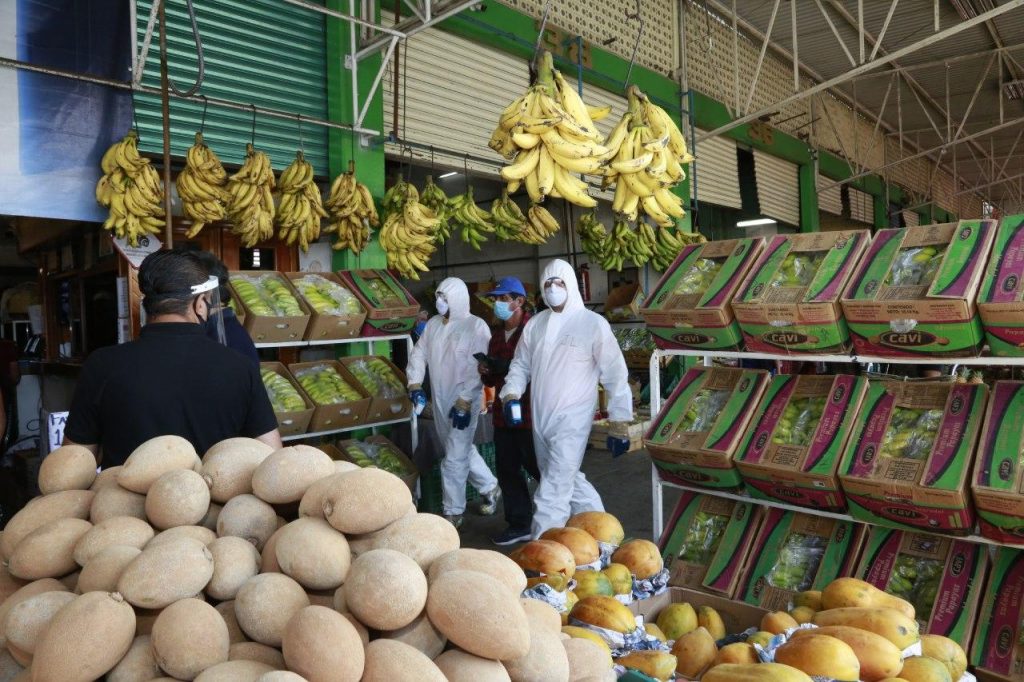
<point>446,348</point>
<point>563,356</point>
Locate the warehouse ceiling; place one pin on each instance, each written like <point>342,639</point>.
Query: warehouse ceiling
<point>958,100</point>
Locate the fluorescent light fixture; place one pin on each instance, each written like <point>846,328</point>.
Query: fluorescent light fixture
<point>447,175</point>
<point>758,221</point>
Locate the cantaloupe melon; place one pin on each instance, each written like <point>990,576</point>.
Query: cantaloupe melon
<point>153,459</point>
<point>385,589</point>
<point>266,603</point>
<point>459,666</point>
<point>268,555</point>
<point>199,533</point>
<point>107,476</point>
<point>254,651</point>
<point>419,634</point>
<point>105,568</point>
<point>48,551</point>
<point>282,676</point>
<point>494,564</point>
<point>235,671</point>
<point>161,575</point>
<point>546,661</point>
<point>226,609</point>
<point>210,519</point>
<point>8,583</point>
<point>249,518</point>
<point>42,510</point>
<point>339,604</point>
<point>177,498</point>
<point>286,474</point>
<point>365,501</point>
<point>312,503</point>
<point>313,553</point>
<point>188,637</point>
<point>20,657</point>
<point>69,467</point>
<point>234,561</point>
<point>422,537</point>
<point>388,660</point>
<point>70,581</point>
<point>322,645</point>
<point>137,665</point>
<point>85,639</point>
<point>479,614</point>
<point>586,659</point>
<point>120,530</point>
<point>364,634</point>
<point>113,500</point>
<point>26,621</point>
<point>541,615</point>
<point>228,466</point>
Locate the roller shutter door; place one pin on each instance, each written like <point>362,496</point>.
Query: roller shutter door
<point>830,200</point>
<point>862,206</point>
<point>778,188</point>
<point>911,218</point>
<point>717,173</point>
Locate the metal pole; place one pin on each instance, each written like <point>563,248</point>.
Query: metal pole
<point>760,57</point>
<point>735,62</point>
<point>835,32</point>
<point>796,52</point>
<point>974,97</point>
<point>885,26</point>
<point>165,112</point>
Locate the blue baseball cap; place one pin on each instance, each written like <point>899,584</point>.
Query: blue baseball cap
<point>508,285</point>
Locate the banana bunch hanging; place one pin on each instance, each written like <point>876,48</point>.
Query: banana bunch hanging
<point>409,233</point>
<point>669,245</point>
<point>594,238</point>
<point>434,198</point>
<point>510,223</point>
<point>251,200</point>
<point>351,212</point>
<point>549,134</point>
<point>202,187</point>
<point>473,222</point>
<point>301,207</point>
<point>648,163</point>
<point>131,189</point>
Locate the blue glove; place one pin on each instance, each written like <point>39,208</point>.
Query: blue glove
<point>618,446</point>
<point>418,398</point>
<point>513,411</point>
<point>460,414</point>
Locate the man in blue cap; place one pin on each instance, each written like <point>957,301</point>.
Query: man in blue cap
<point>513,445</point>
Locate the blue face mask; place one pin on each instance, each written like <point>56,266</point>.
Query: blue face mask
<point>503,310</point>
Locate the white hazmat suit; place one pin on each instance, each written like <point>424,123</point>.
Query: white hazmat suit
<point>446,348</point>
<point>563,356</point>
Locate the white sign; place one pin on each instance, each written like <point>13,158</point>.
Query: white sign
<point>136,254</point>
<point>55,422</point>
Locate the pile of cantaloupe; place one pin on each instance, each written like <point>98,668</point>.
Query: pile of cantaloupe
<point>253,565</point>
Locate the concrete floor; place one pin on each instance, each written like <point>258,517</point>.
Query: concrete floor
<point>625,487</point>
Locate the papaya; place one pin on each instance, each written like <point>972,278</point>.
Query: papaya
<point>581,543</point>
<point>737,652</point>
<point>946,651</point>
<point>879,658</point>
<point>844,592</point>
<point>808,598</point>
<point>760,637</point>
<point>708,618</point>
<point>546,557</point>
<point>604,612</point>
<point>570,601</point>
<point>620,577</point>
<point>557,581</point>
<point>924,669</point>
<point>601,525</point>
<point>754,672</point>
<point>589,583</point>
<point>694,652</point>
<point>893,679</point>
<point>654,631</point>
<point>657,664</point>
<point>889,623</point>
<point>583,633</point>
<point>641,557</point>
<point>802,614</point>
<point>675,620</point>
<point>778,621</point>
<point>820,655</point>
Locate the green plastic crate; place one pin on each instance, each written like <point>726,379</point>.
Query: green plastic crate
<point>430,483</point>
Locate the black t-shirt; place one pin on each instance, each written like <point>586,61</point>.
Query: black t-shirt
<point>171,381</point>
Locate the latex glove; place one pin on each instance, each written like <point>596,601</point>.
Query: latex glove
<point>459,414</point>
<point>618,438</point>
<point>513,410</point>
<point>418,398</point>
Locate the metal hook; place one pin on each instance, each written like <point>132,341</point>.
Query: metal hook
<point>206,104</point>
<point>298,119</point>
<point>253,134</point>
<point>465,170</point>
<point>431,159</point>
<point>540,36</point>
<point>635,16</point>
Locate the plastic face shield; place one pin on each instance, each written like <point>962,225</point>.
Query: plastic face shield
<point>210,292</point>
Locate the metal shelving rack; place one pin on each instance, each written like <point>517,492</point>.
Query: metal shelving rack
<point>658,485</point>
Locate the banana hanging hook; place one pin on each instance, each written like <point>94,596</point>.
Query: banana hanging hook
<point>465,169</point>
<point>202,121</point>
<point>540,37</point>
<point>200,56</point>
<point>635,16</point>
<point>298,120</point>
<point>252,135</point>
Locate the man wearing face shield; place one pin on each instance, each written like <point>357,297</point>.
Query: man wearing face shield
<point>223,326</point>
<point>172,380</point>
<point>564,353</point>
<point>446,349</point>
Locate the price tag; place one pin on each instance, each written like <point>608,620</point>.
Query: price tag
<point>136,254</point>
<point>55,422</point>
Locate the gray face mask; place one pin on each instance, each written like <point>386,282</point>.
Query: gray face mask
<point>555,296</point>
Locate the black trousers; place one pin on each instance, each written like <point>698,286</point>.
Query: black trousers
<point>513,452</point>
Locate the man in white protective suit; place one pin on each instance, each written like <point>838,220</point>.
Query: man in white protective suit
<point>446,349</point>
<point>563,354</point>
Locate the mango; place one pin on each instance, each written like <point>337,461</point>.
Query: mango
<point>947,652</point>
<point>737,652</point>
<point>694,652</point>
<point>675,620</point>
<point>708,618</point>
<point>590,583</point>
<point>845,592</point>
<point>620,577</point>
<point>879,658</point>
<point>583,633</point>
<point>924,669</point>
<point>820,655</point>
<point>604,612</point>
<point>657,664</point>
<point>889,623</point>
<point>802,614</point>
<point>778,621</point>
<point>808,598</point>
<point>641,557</point>
<point>757,672</point>
<point>654,631</point>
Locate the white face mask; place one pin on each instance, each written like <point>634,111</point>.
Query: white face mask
<point>555,295</point>
<point>442,306</point>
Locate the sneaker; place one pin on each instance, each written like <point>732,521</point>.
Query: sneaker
<point>512,536</point>
<point>489,502</point>
<point>454,519</point>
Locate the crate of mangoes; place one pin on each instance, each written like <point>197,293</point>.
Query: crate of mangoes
<point>380,453</point>
<point>340,400</point>
<point>384,383</point>
<point>390,308</point>
<point>274,311</point>
<point>291,407</point>
<point>336,312</point>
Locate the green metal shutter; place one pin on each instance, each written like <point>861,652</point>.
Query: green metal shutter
<point>261,52</point>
